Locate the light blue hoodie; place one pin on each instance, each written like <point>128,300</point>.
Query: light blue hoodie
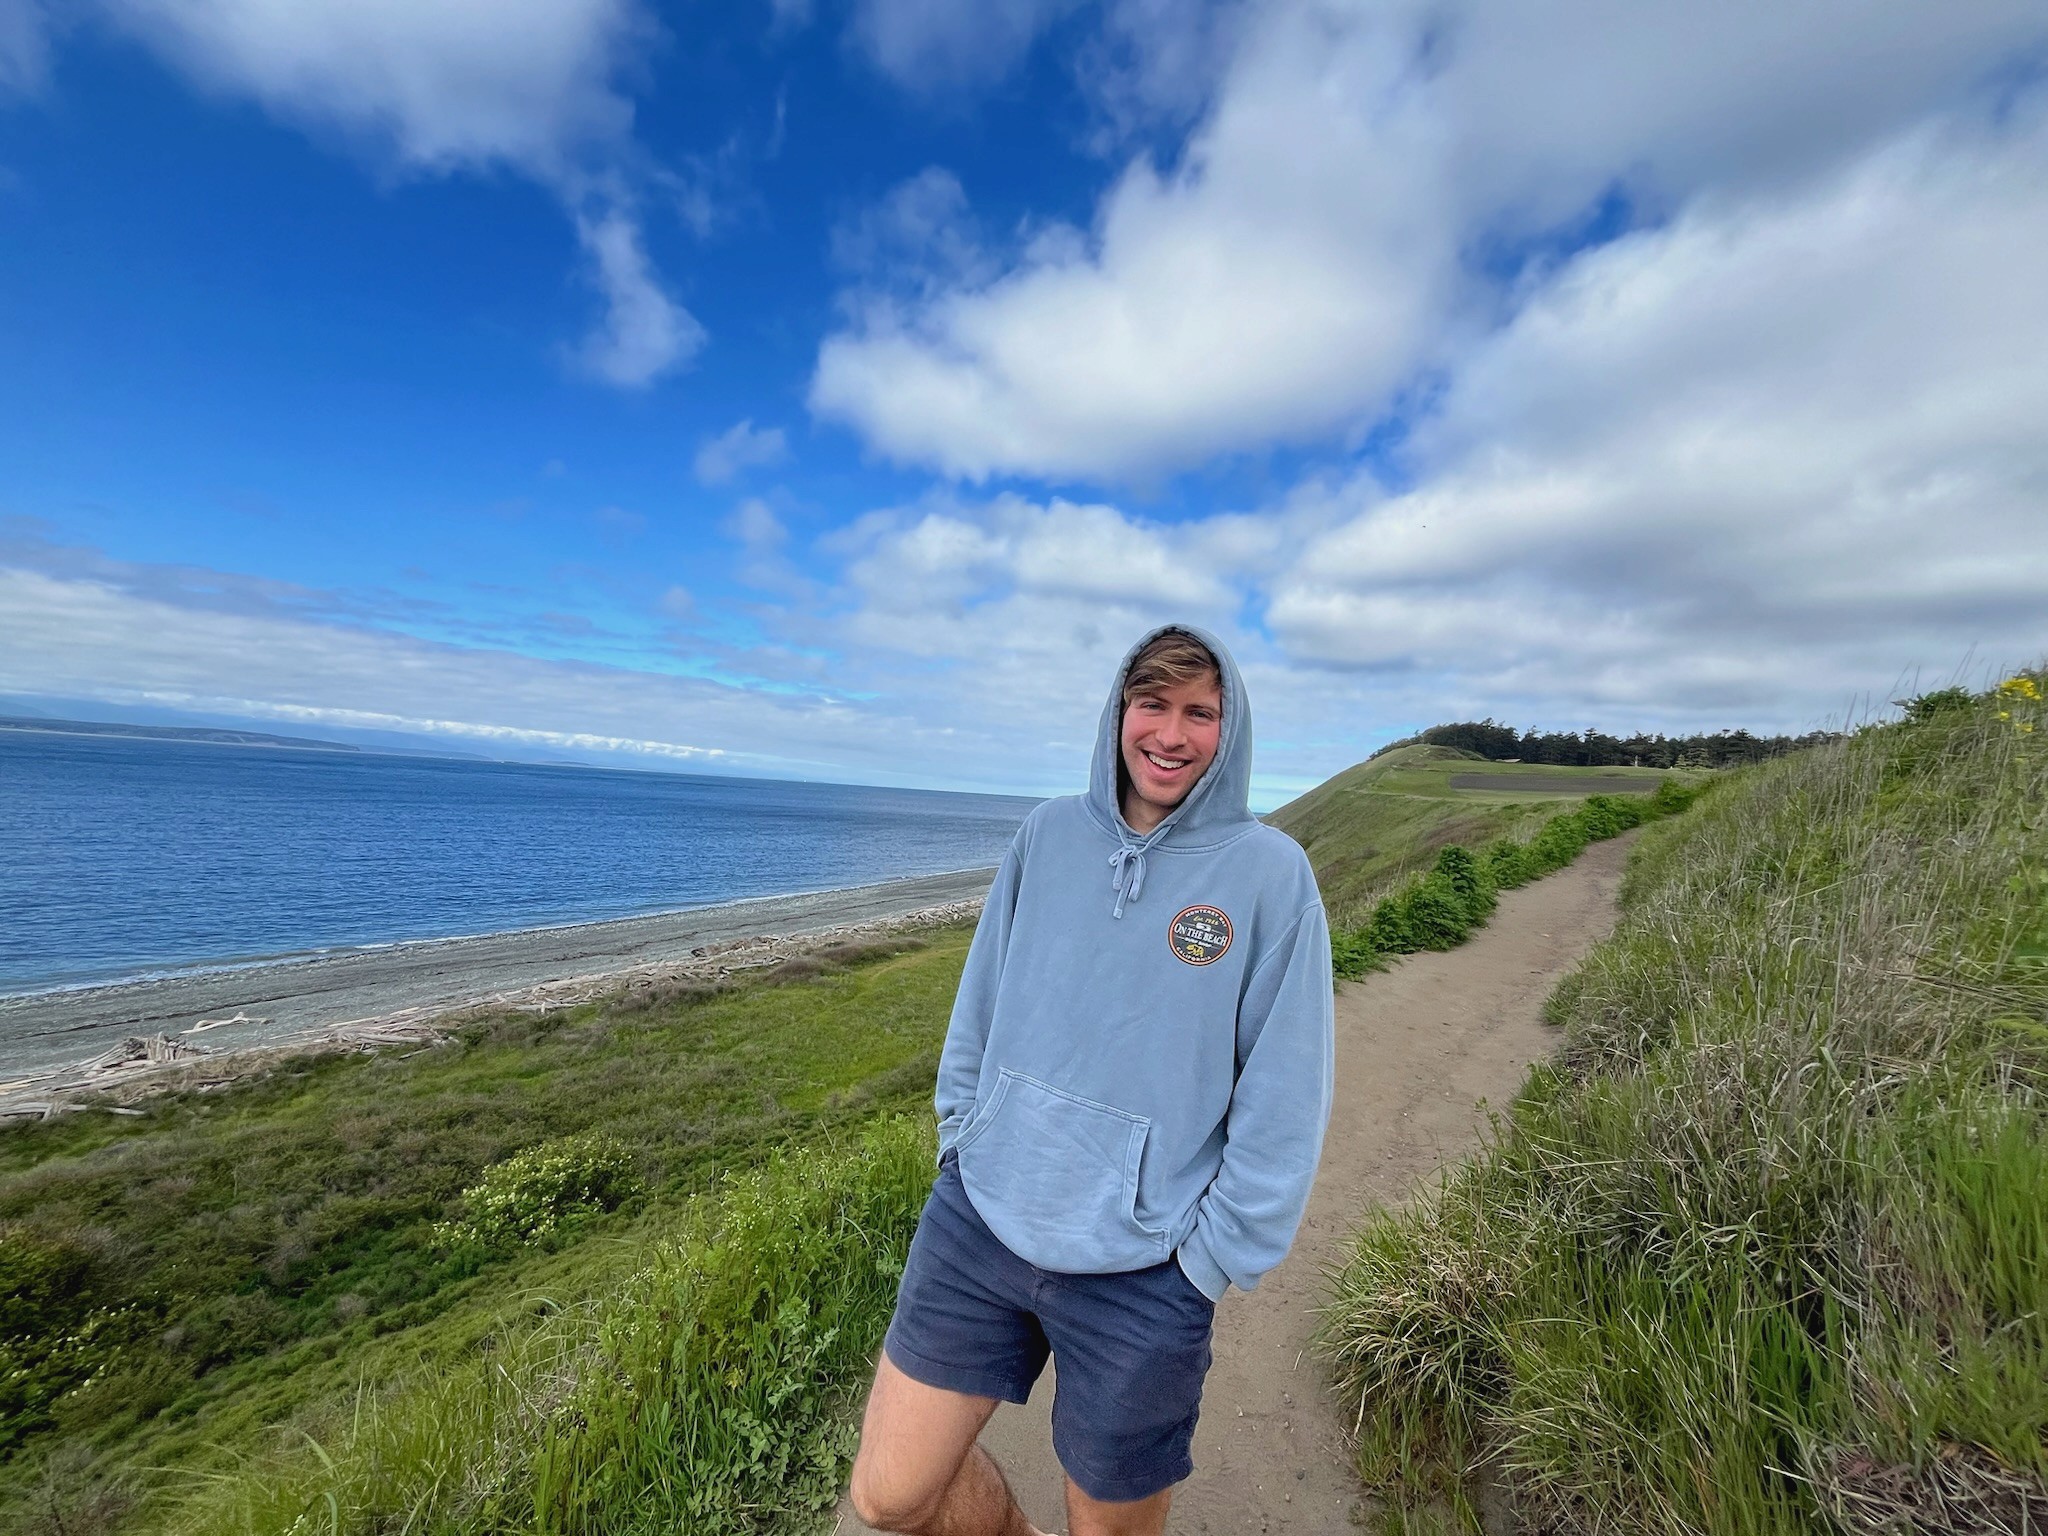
<point>1140,1054</point>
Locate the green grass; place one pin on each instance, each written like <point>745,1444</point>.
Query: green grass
<point>1766,1250</point>
<point>175,1283</point>
<point>708,1392</point>
<point>1374,825</point>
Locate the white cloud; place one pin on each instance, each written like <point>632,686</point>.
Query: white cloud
<point>1786,449</point>
<point>933,45</point>
<point>741,447</point>
<point>1313,251</point>
<point>24,47</point>
<point>644,333</point>
<point>948,555</point>
<point>439,86</point>
<point>1004,620</point>
<point>102,638</point>
<point>1773,450</point>
<point>1010,708</point>
<point>756,527</point>
<point>1215,306</point>
<point>1155,62</point>
<point>764,559</point>
<point>918,239</point>
<point>1762,465</point>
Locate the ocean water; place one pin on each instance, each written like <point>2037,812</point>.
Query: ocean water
<point>125,858</point>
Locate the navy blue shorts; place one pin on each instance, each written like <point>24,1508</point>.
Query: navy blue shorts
<point>1132,1347</point>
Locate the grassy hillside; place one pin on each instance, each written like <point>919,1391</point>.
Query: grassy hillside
<point>709,1386</point>
<point>171,1285</point>
<point>1767,1250</point>
<point>1387,817</point>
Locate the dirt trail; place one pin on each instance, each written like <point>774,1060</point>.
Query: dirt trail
<point>1420,1050</point>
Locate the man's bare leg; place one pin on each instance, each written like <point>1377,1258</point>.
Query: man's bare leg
<point>1093,1517</point>
<point>919,1471</point>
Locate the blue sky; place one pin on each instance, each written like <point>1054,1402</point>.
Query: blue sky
<point>834,389</point>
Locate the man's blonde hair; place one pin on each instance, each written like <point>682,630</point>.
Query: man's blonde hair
<point>1169,660</point>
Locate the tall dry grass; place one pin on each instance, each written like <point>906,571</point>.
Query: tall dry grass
<point>1767,1249</point>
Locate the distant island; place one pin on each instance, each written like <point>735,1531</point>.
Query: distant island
<point>207,734</point>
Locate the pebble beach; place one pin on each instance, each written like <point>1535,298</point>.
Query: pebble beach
<point>90,1040</point>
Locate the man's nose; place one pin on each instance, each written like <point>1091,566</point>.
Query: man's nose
<point>1172,731</point>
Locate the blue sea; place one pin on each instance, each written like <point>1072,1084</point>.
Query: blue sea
<point>123,858</point>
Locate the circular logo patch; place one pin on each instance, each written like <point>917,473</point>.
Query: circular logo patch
<point>1199,935</point>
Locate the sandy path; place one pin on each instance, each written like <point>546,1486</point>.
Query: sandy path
<point>1420,1050</point>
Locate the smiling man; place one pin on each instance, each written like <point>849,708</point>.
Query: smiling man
<point>1131,1104</point>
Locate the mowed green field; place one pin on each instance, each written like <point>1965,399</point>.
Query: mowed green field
<point>1370,825</point>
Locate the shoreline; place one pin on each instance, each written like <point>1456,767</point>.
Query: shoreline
<point>198,970</point>
<point>301,1001</point>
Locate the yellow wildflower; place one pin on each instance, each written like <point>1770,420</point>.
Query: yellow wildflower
<point>2015,692</point>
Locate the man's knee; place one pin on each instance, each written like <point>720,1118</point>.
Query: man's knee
<point>1139,1517</point>
<point>890,1503</point>
<point>915,1442</point>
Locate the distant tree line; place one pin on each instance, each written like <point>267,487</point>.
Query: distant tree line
<point>1593,748</point>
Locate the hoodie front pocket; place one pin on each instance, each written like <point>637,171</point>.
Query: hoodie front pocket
<point>1055,1176</point>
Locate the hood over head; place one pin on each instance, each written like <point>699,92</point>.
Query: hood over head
<point>1220,802</point>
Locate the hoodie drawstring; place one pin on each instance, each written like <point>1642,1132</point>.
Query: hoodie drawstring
<point>1126,875</point>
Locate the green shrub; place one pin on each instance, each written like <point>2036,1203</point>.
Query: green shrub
<point>1766,1250</point>
<point>56,1332</point>
<point>1942,701</point>
<point>1440,909</point>
<point>1354,954</point>
<point>1672,797</point>
<point>529,1195</point>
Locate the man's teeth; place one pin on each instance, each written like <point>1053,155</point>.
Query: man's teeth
<point>1167,762</point>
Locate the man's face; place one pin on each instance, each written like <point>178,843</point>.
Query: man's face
<point>1169,741</point>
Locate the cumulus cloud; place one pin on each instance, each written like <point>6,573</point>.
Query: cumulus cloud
<point>947,554</point>
<point>1327,238</point>
<point>1786,447</point>
<point>1215,306</point>
<point>443,85</point>
<point>1761,461</point>
<point>1155,62</point>
<point>1767,444</point>
<point>439,86</point>
<point>740,447</point>
<point>1015,611</point>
